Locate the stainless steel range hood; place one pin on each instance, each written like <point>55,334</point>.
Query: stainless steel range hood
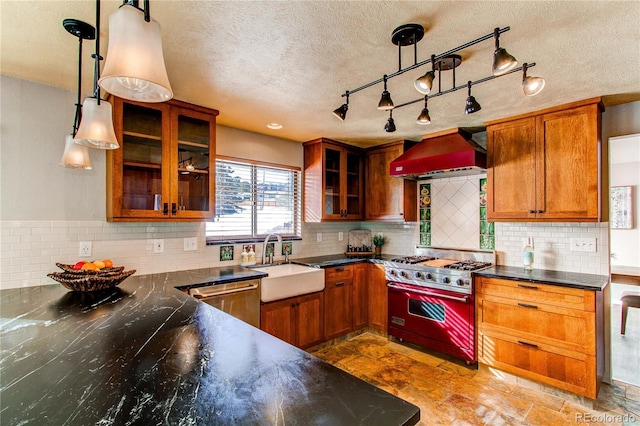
<point>444,154</point>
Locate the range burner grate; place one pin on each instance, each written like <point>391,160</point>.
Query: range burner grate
<point>468,265</point>
<point>412,259</point>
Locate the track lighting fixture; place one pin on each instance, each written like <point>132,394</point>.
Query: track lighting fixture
<point>96,127</point>
<point>390,127</point>
<point>77,156</point>
<point>341,112</point>
<point>472,105</point>
<point>531,85</point>
<point>135,68</point>
<point>409,35</point>
<point>423,84</point>
<point>502,60</point>
<point>385,101</point>
<point>424,117</point>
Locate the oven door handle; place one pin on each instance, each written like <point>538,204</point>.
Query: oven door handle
<point>428,293</point>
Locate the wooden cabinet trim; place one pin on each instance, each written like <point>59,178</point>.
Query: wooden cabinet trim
<point>577,104</point>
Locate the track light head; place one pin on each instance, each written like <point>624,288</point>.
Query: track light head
<point>385,101</point>
<point>502,60</point>
<point>390,127</point>
<point>423,84</point>
<point>472,105</point>
<point>341,112</point>
<point>424,118</point>
<point>531,86</point>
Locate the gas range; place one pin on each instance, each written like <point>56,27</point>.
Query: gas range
<point>440,268</point>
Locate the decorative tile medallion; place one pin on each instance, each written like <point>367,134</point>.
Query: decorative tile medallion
<point>425,214</point>
<point>287,247</point>
<point>487,229</point>
<point>270,248</point>
<point>226,253</point>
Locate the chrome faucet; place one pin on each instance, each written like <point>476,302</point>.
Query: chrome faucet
<point>264,248</point>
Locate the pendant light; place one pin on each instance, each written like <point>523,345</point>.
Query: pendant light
<point>341,112</point>
<point>502,60</point>
<point>385,101</point>
<point>135,68</point>
<point>425,83</point>
<point>531,85</point>
<point>390,127</point>
<point>424,118</point>
<point>76,156</point>
<point>472,105</point>
<point>96,127</point>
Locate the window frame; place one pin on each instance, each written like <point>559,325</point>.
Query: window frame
<point>255,166</point>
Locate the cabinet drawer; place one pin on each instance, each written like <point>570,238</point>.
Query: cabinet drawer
<point>338,273</point>
<point>567,328</point>
<point>571,298</point>
<point>563,369</point>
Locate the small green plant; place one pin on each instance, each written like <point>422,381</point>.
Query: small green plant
<point>379,240</point>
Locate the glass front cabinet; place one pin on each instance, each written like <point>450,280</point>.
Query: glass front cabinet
<point>165,167</point>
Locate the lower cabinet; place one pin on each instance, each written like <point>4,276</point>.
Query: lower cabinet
<point>360,295</point>
<point>543,332</point>
<point>338,301</point>
<point>377,298</point>
<point>297,320</point>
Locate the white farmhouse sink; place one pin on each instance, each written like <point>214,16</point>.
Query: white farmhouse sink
<point>288,280</point>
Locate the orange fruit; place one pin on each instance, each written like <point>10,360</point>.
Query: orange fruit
<point>90,267</point>
<point>99,263</point>
<point>108,263</point>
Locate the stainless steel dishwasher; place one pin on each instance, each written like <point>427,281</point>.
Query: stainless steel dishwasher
<point>240,299</point>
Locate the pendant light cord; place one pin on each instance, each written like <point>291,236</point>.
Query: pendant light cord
<point>96,56</point>
<point>78,117</point>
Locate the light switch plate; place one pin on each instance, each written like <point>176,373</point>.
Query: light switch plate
<point>85,249</point>
<point>158,246</point>
<point>583,244</point>
<point>190,244</point>
<point>340,236</point>
<point>319,237</point>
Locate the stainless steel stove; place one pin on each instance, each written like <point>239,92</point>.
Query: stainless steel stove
<point>445,269</point>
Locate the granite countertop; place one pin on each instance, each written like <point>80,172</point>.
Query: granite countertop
<point>146,353</point>
<point>542,276</point>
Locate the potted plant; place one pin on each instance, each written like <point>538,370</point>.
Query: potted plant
<point>378,242</point>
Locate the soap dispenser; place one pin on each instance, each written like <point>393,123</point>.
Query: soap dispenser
<point>244,256</point>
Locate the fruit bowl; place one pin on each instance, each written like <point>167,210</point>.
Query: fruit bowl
<point>89,280</point>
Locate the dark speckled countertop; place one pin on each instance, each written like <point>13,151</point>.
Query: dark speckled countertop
<point>560,278</point>
<point>146,353</point>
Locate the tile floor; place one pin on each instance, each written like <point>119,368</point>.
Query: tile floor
<point>448,392</point>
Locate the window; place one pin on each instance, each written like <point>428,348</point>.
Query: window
<point>253,200</point>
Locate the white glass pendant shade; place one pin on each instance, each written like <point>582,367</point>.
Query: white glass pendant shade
<point>533,85</point>
<point>96,127</point>
<point>75,156</point>
<point>134,68</point>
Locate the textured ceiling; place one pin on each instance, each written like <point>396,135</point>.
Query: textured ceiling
<point>289,61</point>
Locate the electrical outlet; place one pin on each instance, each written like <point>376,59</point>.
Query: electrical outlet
<point>190,244</point>
<point>85,248</point>
<point>583,244</point>
<point>319,237</point>
<point>340,236</point>
<point>158,246</point>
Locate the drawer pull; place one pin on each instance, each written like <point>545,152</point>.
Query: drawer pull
<point>524,305</point>
<point>340,269</point>
<point>530,287</point>
<point>532,211</point>
<point>531,345</point>
<point>340,284</point>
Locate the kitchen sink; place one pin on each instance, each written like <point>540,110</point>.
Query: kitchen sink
<point>288,280</point>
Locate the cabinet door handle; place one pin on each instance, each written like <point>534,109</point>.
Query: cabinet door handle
<point>166,208</point>
<point>293,305</point>
<point>539,211</point>
<point>531,345</point>
<point>524,305</point>
<point>173,208</point>
<point>340,284</point>
<point>532,211</point>
<point>340,269</point>
<point>529,287</point>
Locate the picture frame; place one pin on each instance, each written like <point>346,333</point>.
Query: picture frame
<point>621,207</point>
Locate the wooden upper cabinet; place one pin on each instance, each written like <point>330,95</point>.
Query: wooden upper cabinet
<point>548,166</point>
<point>333,181</point>
<point>164,169</point>
<point>388,198</point>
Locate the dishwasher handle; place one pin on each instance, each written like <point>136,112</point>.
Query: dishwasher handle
<point>200,293</point>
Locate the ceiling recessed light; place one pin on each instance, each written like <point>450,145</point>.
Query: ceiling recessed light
<point>274,126</point>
